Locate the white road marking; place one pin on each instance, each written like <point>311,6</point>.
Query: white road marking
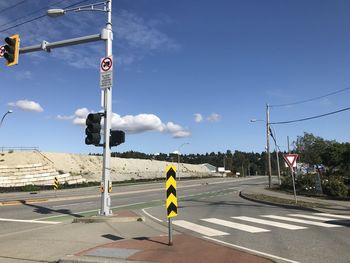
<point>74,204</point>
<point>250,229</point>
<point>313,217</point>
<point>199,229</point>
<point>95,210</point>
<point>256,252</point>
<point>269,223</point>
<point>148,214</point>
<point>332,215</point>
<point>296,220</point>
<point>27,221</point>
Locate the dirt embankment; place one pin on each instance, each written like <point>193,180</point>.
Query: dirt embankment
<point>90,167</point>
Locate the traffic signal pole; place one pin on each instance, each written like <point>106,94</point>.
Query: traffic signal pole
<point>107,93</point>
<point>106,35</point>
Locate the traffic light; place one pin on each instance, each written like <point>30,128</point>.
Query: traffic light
<point>116,138</point>
<point>93,129</point>
<point>12,50</point>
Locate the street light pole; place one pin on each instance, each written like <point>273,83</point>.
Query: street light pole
<point>106,35</point>
<point>105,198</point>
<point>268,141</point>
<point>178,159</point>
<point>3,117</point>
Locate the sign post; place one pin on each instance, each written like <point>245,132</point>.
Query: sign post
<point>291,161</point>
<point>171,199</point>
<point>55,185</point>
<point>106,65</point>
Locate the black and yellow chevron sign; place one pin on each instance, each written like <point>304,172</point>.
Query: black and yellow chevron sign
<point>55,183</point>
<point>171,199</point>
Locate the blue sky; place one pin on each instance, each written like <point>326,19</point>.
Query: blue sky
<point>191,71</point>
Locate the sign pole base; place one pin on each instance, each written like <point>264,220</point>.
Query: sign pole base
<point>170,232</point>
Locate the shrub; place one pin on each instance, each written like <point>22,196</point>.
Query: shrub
<point>287,182</point>
<point>335,186</point>
<point>306,183</point>
<point>30,188</point>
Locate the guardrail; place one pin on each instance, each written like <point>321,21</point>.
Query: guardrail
<point>21,148</point>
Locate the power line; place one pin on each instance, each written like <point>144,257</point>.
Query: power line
<point>30,14</point>
<point>37,18</point>
<point>12,6</point>
<point>25,22</point>
<point>309,100</point>
<point>310,118</point>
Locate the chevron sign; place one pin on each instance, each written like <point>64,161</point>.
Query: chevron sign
<point>171,199</point>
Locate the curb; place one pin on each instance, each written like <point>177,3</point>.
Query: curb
<point>23,202</point>
<point>98,219</point>
<point>289,206</point>
<point>89,259</point>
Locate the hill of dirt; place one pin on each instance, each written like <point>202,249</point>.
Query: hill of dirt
<point>90,167</point>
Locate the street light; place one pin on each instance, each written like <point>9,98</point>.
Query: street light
<point>3,117</point>
<point>107,35</point>
<point>273,135</point>
<point>178,158</point>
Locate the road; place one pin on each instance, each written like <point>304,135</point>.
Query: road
<point>208,208</point>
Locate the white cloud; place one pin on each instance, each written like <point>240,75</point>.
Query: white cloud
<point>198,117</point>
<point>136,32</point>
<point>182,134</point>
<point>214,117</point>
<point>80,116</point>
<point>27,105</point>
<point>135,37</point>
<point>133,124</point>
<point>63,117</point>
<point>24,75</point>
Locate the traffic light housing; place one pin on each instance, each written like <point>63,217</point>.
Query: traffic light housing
<point>93,129</point>
<point>12,50</point>
<point>116,138</point>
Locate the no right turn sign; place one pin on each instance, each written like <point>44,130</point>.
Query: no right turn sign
<point>106,72</point>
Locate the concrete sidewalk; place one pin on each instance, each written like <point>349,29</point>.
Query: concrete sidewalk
<point>124,240</point>
<point>150,244</point>
<point>155,249</point>
<point>275,197</point>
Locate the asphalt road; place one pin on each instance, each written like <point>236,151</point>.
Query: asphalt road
<point>67,204</point>
<point>208,208</point>
<point>286,235</point>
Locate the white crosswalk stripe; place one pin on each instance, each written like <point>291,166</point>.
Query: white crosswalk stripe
<point>199,229</point>
<point>302,221</point>
<point>312,217</point>
<point>269,223</point>
<point>242,227</point>
<point>332,215</point>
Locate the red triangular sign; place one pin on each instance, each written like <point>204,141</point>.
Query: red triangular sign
<point>290,159</point>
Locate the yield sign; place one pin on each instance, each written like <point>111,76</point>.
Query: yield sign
<point>290,159</point>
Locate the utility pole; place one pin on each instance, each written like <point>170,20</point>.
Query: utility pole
<point>268,142</point>
<point>105,198</point>
<point>288,144</point>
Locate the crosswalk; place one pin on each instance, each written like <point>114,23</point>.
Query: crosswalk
<point>255,225</point>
